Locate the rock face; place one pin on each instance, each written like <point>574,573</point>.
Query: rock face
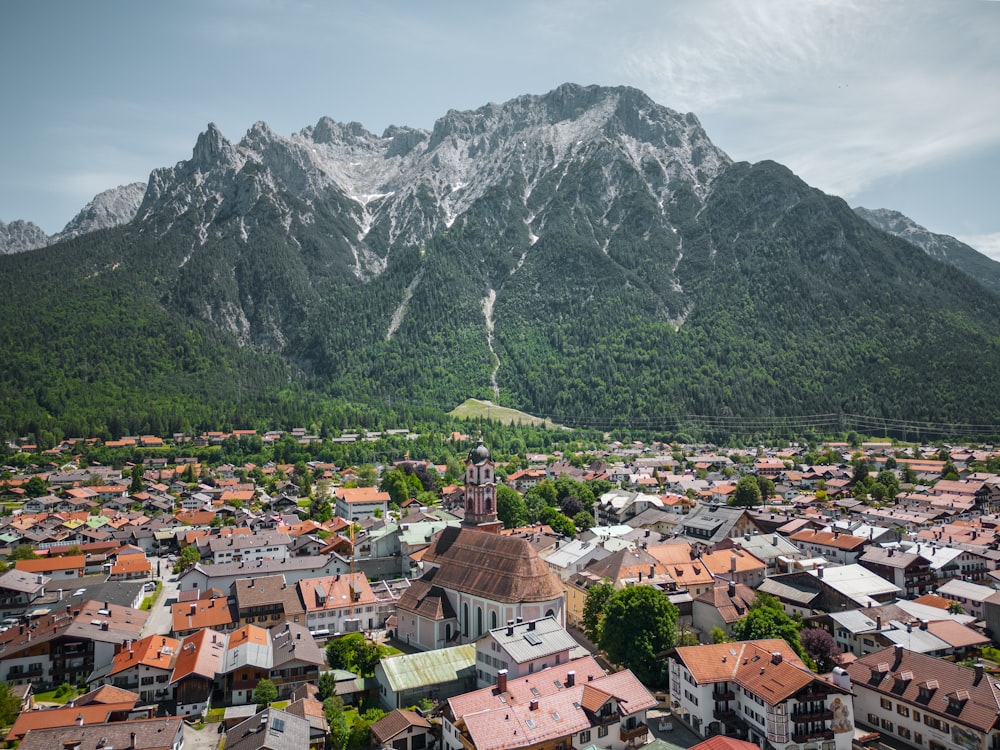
<point>111,208</point>
<point>21,236</point>
<point>942,247</point>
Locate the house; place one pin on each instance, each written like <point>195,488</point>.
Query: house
<point>720,606</point>
<point>296,659</point>
<point>262,545</point>
<point>247,661</point>
<point>618,506</point>
<point>146,734</point>
<point>338,604</point>
<point>736,565</point>
<point>833,546</point>
<point>970,595</point>
<point>759,691</point>
<point>198,660</point>
<point>294,569</point>
<point>909,571</point>
<point>270,729</point>
<point>18,589</point>
<point>144,667</point>
<point>359,503</point>
<point>924,701</point>
<point>402,730</point>
<point>710,524</point>
<point>212,609</point>
<point>549,708</point>
<point>73,715</point>
<point>56,568</point>
<point>522,648</point>
<point>65,645</point>
<point>441,674</point>
<point>266,600</point>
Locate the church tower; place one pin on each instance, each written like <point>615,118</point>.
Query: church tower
<point>480,490</point>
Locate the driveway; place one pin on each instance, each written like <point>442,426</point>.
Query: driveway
<point>159,622</point>
<point>202,739</point>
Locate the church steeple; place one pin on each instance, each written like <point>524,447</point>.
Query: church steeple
<point>480,489</point>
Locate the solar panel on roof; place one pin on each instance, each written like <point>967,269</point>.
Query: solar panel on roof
<point>278,725</point>
<point>533,639</point>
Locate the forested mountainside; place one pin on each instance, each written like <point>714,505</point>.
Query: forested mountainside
<point>587,255</point>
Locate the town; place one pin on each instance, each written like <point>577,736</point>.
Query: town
<point>823,597</point>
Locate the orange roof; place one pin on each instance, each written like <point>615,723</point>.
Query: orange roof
<point>334,592</point>
<point>248,634</point>
<point>130,564</point>
<point>361,495</point>
<point>47,564</point>
<point>156,651</point>
<point>201,654</point>
<point>66,716</point>
<point>202,613</point>
<point>829,539</point>
<point>721,561</point>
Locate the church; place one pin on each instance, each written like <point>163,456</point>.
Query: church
<point>474,578</point>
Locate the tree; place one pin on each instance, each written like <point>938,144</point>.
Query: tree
<point>10,705</point>
<point>955,608</point>
<point>583,520</point>
<point>138,479</point>
<point>821,646</point>
<point>639,623</point>
<point>766,618</point>
<point>597,599</point>
<point>570,506</point>
<point>340,652</point>
<point>366,656</point>
<point>23,552</point>
<point>327,686</point>
<point>765,485</point>
<point>340,730</point>
<point>188,557</point>
<point>718,635</point>
<point>36,487</point>
<point>511,509</point>
<point>747,492</point>
<point>265,693</point>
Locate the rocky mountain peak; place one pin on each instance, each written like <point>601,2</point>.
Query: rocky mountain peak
<point>110,208</point>
<point>20,236</point>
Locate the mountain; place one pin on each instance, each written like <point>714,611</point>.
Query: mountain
<point>586,255</point>
<point>942,247</point>
<point>110,208</point>
<point>21,236</point>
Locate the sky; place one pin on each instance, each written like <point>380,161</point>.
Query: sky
<point>886,103</point>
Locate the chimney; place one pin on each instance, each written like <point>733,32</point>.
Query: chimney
<point>923,624</point>
<point>131,740</point>
<point>978,666</point>
<point>79,720</point>
<point>531,625</point>
<point>899,656</point>
<point>776,657</point>
<point>731,589</point>
<point>533,705</point>
<point>502,681</point>
<point>878,623</point>
<point>652,570</point>
<point>510,627</point>
<point>819,571</point>
<point>571,677</point>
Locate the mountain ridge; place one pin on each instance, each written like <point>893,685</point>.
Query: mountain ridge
<point>582,254</point>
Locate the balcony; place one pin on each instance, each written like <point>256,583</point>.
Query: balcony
<point>801,717</point>
<point>812,694</point>
<point>637,732</point>
<point>724,714</point>
<point>800,737</point>
<point>723,695</point>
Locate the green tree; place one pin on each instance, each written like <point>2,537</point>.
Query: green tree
<point>597,599</point>
<point>511,509</point>
<point>340,730</point>
<point>340,652</point>
<point>766,618</point>
<point>747,492</point>
<point>138,483</point>
<point>765,485</point>
<point>265,693</point>
<point>36,487</point>
<point>188,557</point>
<point>366,656</point>
<point>639,623</point>
<point>23,552</point>
<point>327,686</point>
<point>10,705</point>
<point>583,520</point>
<point>718,635</point>
<point>956,608</point>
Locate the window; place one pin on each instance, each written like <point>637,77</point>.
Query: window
<point>585,736</point>
<point>903,732</point>
<point>887,725</point>
<point>886,704</point>
<point>602,731</point>
<point>873,719</point>
<point>902,710</point>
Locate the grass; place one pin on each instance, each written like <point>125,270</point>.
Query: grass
<point>474,408</point>
<point>214,715</point>
<point>280,704</point>
<point>59,695</point>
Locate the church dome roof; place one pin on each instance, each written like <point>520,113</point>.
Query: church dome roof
<point>480,454</point>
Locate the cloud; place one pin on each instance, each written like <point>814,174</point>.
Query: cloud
<point>987,244</point>
<point>844,93</point>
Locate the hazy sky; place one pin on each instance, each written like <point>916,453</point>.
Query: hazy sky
<point>885,103</point>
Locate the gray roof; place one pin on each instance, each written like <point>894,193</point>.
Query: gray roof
<point>22,581</point>
<point>412,671</point>
<point>270,729</point>
<point>855,582</point>
<point>262,538</point>
<point>534,639</point>
<point>788,591</point>
<point>921,641</point>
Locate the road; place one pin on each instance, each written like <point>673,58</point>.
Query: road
<point>159,622</point>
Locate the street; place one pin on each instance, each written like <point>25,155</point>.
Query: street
<point>159,622</point>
